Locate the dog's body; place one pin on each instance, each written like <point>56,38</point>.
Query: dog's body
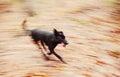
<point>50,39</point>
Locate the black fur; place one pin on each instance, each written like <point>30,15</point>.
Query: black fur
<point>50,39</point>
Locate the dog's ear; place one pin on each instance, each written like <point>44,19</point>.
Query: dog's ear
<point>55,32</point>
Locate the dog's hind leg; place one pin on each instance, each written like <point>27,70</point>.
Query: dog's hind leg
<point>39,46</point>
<point>42,43</point>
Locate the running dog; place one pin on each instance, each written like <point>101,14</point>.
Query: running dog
<point>49,39</point>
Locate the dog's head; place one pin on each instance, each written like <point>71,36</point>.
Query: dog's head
<point>60,38</point>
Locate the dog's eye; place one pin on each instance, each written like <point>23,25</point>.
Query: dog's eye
<point>60,33</point>
<point>61,37</point>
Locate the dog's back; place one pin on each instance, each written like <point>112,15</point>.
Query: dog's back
<point>41,35</point>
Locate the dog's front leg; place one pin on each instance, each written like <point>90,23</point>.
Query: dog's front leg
<point>51,49</point>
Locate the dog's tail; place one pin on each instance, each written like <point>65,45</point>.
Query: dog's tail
<point>24,24</point>
<point>24,27</point>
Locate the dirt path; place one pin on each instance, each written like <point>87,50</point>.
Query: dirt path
<point>94,37</point>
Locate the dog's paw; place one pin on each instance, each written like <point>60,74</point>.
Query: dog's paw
<point>63,61</point>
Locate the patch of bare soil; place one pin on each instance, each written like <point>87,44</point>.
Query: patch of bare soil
<point>94,39</point>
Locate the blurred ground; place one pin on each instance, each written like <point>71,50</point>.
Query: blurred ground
<point>89,25</point>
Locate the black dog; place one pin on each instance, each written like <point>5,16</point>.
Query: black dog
<point>50,39</point>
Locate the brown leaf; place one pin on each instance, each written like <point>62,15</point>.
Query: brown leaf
<point>100,62</point>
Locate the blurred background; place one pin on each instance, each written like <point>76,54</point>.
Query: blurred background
<point>92,28</point>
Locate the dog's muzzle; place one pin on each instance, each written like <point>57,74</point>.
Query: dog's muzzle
<point>64,43</point>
